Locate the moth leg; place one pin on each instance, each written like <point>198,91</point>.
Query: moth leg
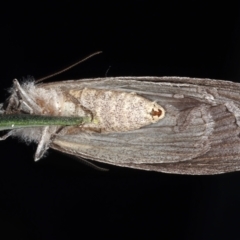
<point>4,137</point>
<point>25,97</point>
<point>43,144</point>
<point>24,107</point>
<point>75,100</point>
<point>87,111</point>
<point>17,105</point>
<point>10,105</point>
<point>74,130</point>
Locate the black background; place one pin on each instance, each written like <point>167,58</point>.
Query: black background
<point>58,197</point>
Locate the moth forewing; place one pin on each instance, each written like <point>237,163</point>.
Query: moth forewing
<point>168,124</point>
<point>198,134</point>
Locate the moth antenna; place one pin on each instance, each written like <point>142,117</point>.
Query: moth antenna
<point>67,68</point>
<point>92,165</point>
<point>107,71</point>
<point>88,163</point>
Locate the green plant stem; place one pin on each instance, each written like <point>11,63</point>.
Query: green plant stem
<point>12,121</point>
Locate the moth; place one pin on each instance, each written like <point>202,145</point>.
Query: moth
<point>168,124</point>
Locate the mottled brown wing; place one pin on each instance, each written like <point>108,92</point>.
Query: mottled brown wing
<point>199,134</point>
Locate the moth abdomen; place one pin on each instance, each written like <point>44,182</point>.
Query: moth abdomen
<point>117,111</point>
